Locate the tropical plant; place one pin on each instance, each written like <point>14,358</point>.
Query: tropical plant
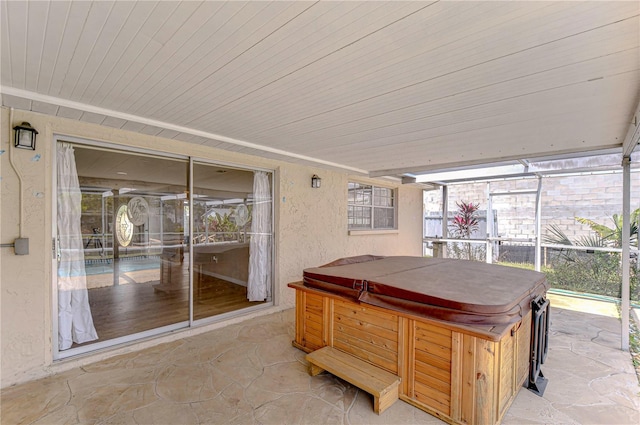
<point>222,225</point>
<point>613,236</point>
<point>465,222</point>
<point>556,236</point>
<point>604,236</point>
<point>593,272</point>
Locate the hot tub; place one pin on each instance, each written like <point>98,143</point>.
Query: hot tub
<point>457,333</point>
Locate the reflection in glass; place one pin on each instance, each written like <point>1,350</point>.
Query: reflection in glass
<point>133,241</point>
<point>223,205</point>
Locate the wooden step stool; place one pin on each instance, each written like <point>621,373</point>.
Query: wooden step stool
<point>378,382</point>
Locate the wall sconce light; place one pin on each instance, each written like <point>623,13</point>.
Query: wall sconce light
<point>315,181</point>
<point>25,136</point>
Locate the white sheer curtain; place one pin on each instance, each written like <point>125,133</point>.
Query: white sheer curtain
<point>75,323</point>
<point>259,285</point>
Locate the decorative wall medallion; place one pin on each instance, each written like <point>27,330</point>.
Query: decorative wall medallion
<point>138,211</point>
<point>124,226</point>
<point>242,215</point>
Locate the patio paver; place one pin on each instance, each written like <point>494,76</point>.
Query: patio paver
<point>249,373</point>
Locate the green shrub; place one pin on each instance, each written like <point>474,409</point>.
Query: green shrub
<point>593,273</point>
<point>466,251</point>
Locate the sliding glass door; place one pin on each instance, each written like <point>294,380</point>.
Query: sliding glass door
<point>224,208</point>
<point>128,238</point>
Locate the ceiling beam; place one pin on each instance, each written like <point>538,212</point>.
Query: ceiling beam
<point>161,124</point>
<point>422,169</point>
<point>633,134</point>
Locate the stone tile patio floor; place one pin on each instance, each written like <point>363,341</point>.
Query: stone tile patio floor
<point>249,373</point>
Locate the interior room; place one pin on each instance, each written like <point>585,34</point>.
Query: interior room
<point>135,233</point>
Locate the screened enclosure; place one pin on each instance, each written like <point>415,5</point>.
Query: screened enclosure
<point>569,209</point>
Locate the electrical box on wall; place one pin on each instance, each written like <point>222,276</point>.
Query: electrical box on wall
<point>21,246</point>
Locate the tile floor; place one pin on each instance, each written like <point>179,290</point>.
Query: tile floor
<point>250,374</point>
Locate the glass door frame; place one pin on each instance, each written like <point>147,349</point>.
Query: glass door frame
<point>58,354</point>
<point>244,311</point>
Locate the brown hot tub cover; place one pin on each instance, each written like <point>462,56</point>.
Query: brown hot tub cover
<point>452,290</point>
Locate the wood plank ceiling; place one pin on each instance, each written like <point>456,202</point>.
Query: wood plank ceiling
<point>369,87</point>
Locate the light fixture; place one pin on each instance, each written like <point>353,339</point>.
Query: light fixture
<point>315,181</point>
<point>25,136</point>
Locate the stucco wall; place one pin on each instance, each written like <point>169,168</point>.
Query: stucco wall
<point>311,229</point>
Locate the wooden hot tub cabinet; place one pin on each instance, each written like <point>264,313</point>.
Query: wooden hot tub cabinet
<point>463,373</point>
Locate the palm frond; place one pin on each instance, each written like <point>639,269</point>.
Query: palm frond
<point>591,241</point>
<point>557,236</point>
<point>602,230</point>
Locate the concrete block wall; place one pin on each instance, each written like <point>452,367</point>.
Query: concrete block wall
<point>596,196</point>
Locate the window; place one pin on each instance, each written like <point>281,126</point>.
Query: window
<point>371,207</point>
